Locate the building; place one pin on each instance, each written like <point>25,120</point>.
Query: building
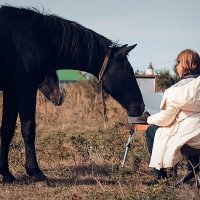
<point>150,69</point>
<point>148,79</point>
<point>148,86</point>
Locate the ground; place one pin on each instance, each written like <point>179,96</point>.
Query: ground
<point>81,155</point>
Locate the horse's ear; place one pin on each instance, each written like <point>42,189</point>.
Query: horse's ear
<point>125,45</point>
<point>124,50</point>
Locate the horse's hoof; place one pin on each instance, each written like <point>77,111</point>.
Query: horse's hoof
<point>8,179</point>
<point>7,176</point>
<point>36,175</point>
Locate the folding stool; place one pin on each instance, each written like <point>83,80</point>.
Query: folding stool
<point>188,151</point>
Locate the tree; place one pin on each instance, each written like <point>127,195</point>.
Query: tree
<point>139,72</point>
<point>165,79</point>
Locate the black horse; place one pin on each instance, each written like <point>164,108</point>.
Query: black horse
<point>31,45</point>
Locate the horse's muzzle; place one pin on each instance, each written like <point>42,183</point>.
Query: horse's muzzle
<point>59,99</point>
<point>136,110</point>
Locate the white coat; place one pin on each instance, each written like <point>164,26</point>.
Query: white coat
<point>179,121</point>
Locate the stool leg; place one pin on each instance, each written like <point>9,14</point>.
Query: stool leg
<point>193,169</point>
<point>197,178</point>
<point>198,181</point>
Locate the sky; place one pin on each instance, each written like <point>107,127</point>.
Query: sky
<point>161,28</point>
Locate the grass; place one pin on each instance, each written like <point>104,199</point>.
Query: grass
<point>82,157</point>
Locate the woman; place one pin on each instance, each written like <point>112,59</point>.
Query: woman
<point>178,121</point>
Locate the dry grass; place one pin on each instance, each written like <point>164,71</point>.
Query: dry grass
<point>82,158</point>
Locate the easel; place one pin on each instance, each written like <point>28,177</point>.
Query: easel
<point>152,99</point>
<point>133,128</point>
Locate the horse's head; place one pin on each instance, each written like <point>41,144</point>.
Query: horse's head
<point>120,82</point>
<point>51,89</point>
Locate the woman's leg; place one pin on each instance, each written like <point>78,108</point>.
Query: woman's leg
<point>150,134</point>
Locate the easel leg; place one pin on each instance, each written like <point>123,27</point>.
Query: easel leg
<point>128,145</point>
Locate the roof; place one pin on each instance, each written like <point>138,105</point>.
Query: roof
<point>153,76</point>
<point>70,75</point>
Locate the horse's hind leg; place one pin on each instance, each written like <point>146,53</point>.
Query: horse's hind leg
<point>7,131</point>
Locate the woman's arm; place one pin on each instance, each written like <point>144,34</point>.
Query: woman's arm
<point>165,117</point>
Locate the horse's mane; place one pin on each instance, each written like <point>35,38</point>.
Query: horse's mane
<point>66,36</point>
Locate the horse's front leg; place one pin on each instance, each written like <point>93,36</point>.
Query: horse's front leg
<point>7,131</point>
<point>27,106</point>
